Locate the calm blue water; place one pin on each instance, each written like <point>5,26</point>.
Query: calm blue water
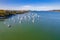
<point>35,25</point>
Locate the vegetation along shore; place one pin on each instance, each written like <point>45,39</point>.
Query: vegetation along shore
<point>4,13</point>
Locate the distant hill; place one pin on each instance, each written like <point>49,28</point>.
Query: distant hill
<point>55,10</point>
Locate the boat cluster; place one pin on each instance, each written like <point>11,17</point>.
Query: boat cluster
<point>22,18</point>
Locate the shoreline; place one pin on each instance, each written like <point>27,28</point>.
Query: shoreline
<point>6,13</point>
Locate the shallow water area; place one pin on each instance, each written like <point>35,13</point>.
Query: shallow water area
<point>35,25</point>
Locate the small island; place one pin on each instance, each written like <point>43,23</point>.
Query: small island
<point>4,13</point>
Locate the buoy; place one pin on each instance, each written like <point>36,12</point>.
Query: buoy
<point>9,26</point>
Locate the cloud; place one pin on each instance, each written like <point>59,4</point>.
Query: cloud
<point>26,7</point>
<point>29,7</point>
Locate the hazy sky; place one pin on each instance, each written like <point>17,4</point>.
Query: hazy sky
<point>30,4</point>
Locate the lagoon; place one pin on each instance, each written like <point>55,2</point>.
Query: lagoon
<point>35,25</point>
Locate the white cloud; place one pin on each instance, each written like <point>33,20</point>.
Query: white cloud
<point>26,7</point>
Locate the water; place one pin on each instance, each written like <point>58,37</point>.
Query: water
<point>35,25</point>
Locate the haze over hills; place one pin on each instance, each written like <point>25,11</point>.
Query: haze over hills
<point>36,8</point>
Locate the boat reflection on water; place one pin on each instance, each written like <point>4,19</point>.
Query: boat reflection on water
<point>21,18</point>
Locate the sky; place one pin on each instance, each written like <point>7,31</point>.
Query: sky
<point>29,4</point>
